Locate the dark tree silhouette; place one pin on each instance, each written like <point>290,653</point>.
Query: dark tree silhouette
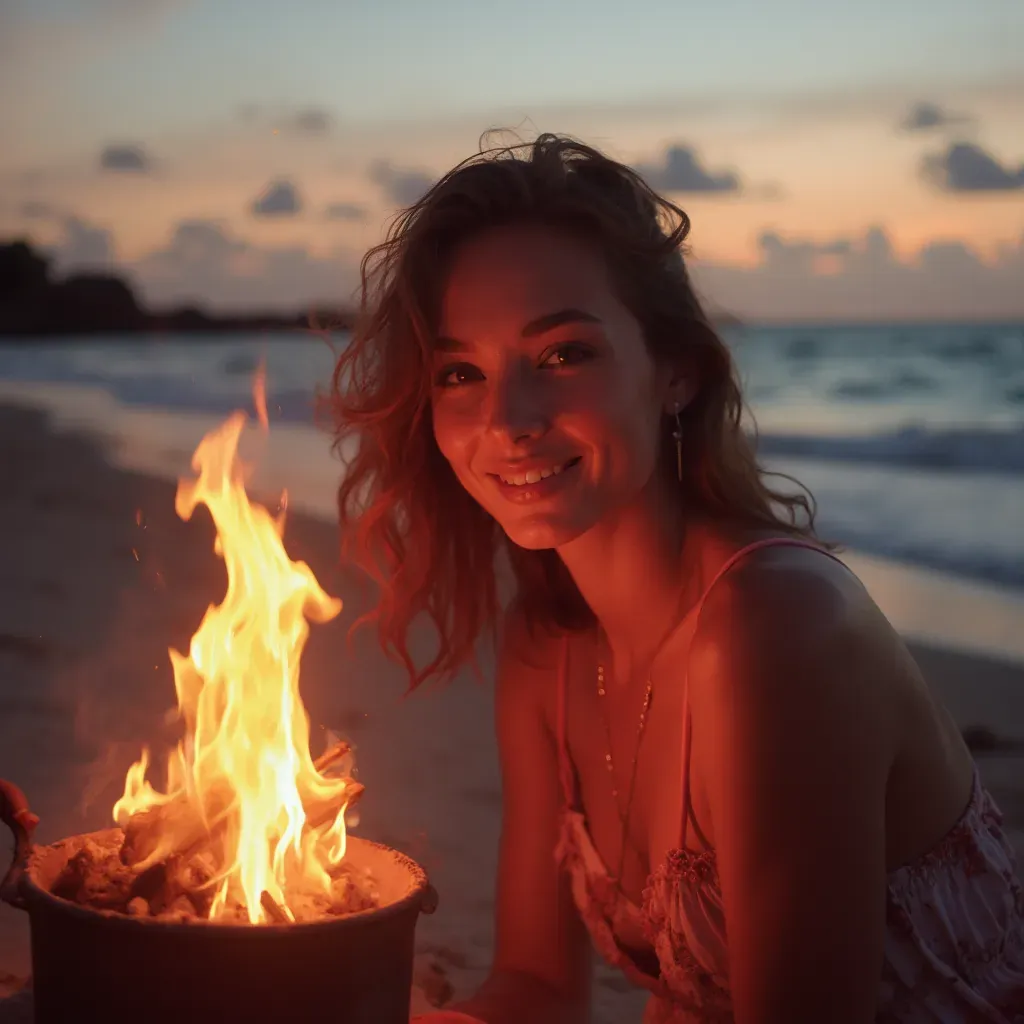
<point>32,303</point>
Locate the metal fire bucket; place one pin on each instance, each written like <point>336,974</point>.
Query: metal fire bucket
<point>88,964</point>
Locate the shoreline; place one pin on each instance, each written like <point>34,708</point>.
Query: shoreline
<point>100,577</point>
<point>926,604</point>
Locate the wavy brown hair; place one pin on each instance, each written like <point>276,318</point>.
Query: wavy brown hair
<point>405,517</point>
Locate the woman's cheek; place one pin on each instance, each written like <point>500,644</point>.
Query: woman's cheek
<point>589,391</point>
<point>456,423</point>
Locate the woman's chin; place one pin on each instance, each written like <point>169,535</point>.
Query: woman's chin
<point>539,532</point>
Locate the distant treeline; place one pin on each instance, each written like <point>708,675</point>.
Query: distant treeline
<point>33,302</point>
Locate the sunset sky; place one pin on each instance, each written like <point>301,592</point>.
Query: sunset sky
<point>838,161</point>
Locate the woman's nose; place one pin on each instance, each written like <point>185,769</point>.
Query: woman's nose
<point>517,408</point>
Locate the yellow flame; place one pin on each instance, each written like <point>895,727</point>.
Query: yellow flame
<point>244,765</point>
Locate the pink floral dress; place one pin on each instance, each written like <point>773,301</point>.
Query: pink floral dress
<point>954,944</point>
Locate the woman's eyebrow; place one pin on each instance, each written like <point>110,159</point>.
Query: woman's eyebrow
<point>541,325</point>
<point>550,321</point>
<point>444,344</point>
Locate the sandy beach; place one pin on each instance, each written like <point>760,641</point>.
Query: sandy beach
<point>99,577</point>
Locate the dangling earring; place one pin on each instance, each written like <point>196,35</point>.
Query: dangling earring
<point>677,434</point>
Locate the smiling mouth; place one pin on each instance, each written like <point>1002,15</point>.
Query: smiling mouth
<point>534,476</point>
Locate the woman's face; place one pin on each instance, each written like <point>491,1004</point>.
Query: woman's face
<point>546,401</point>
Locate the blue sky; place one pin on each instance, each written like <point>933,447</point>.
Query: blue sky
<point>803,104</point>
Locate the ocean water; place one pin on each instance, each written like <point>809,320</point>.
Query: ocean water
<point>911,438</point>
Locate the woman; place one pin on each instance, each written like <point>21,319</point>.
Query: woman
<point>717,755</point>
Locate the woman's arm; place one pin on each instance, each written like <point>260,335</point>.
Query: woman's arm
<point>795,740</point>
<point>541,969</point>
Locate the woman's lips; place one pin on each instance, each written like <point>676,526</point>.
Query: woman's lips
<point>537,483</point>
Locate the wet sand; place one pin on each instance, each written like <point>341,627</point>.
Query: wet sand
<point>98,577</point>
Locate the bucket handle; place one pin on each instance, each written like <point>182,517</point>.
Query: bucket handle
<point>14,813</point>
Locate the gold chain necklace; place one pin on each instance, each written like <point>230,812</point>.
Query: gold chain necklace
<point>609,762</point>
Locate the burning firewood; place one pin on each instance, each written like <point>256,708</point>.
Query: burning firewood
<point>273,909</point>
<point>151,883</point>
<point>331,756</point>
<point>170,854</point>
<point>93,875</point>
<point>172,890</point>
<point>162,831</point>
<point>319,815</point>
<point>175,829</point>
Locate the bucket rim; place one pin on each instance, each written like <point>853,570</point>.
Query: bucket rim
<point>421,898</point>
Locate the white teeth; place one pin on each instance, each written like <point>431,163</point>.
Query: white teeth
<point>532,477</point>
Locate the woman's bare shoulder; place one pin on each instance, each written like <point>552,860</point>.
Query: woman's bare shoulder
<point>810,594</point>
<point>792,630</point>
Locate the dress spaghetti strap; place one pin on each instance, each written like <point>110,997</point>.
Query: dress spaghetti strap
<point>565,769</point>
<point>684,752</point>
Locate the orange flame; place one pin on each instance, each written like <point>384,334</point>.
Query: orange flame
<point>259,394</point>
<point>244,767</point>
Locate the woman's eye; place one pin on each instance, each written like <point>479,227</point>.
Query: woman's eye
<point>456,375</point>
<point>568,355</point>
